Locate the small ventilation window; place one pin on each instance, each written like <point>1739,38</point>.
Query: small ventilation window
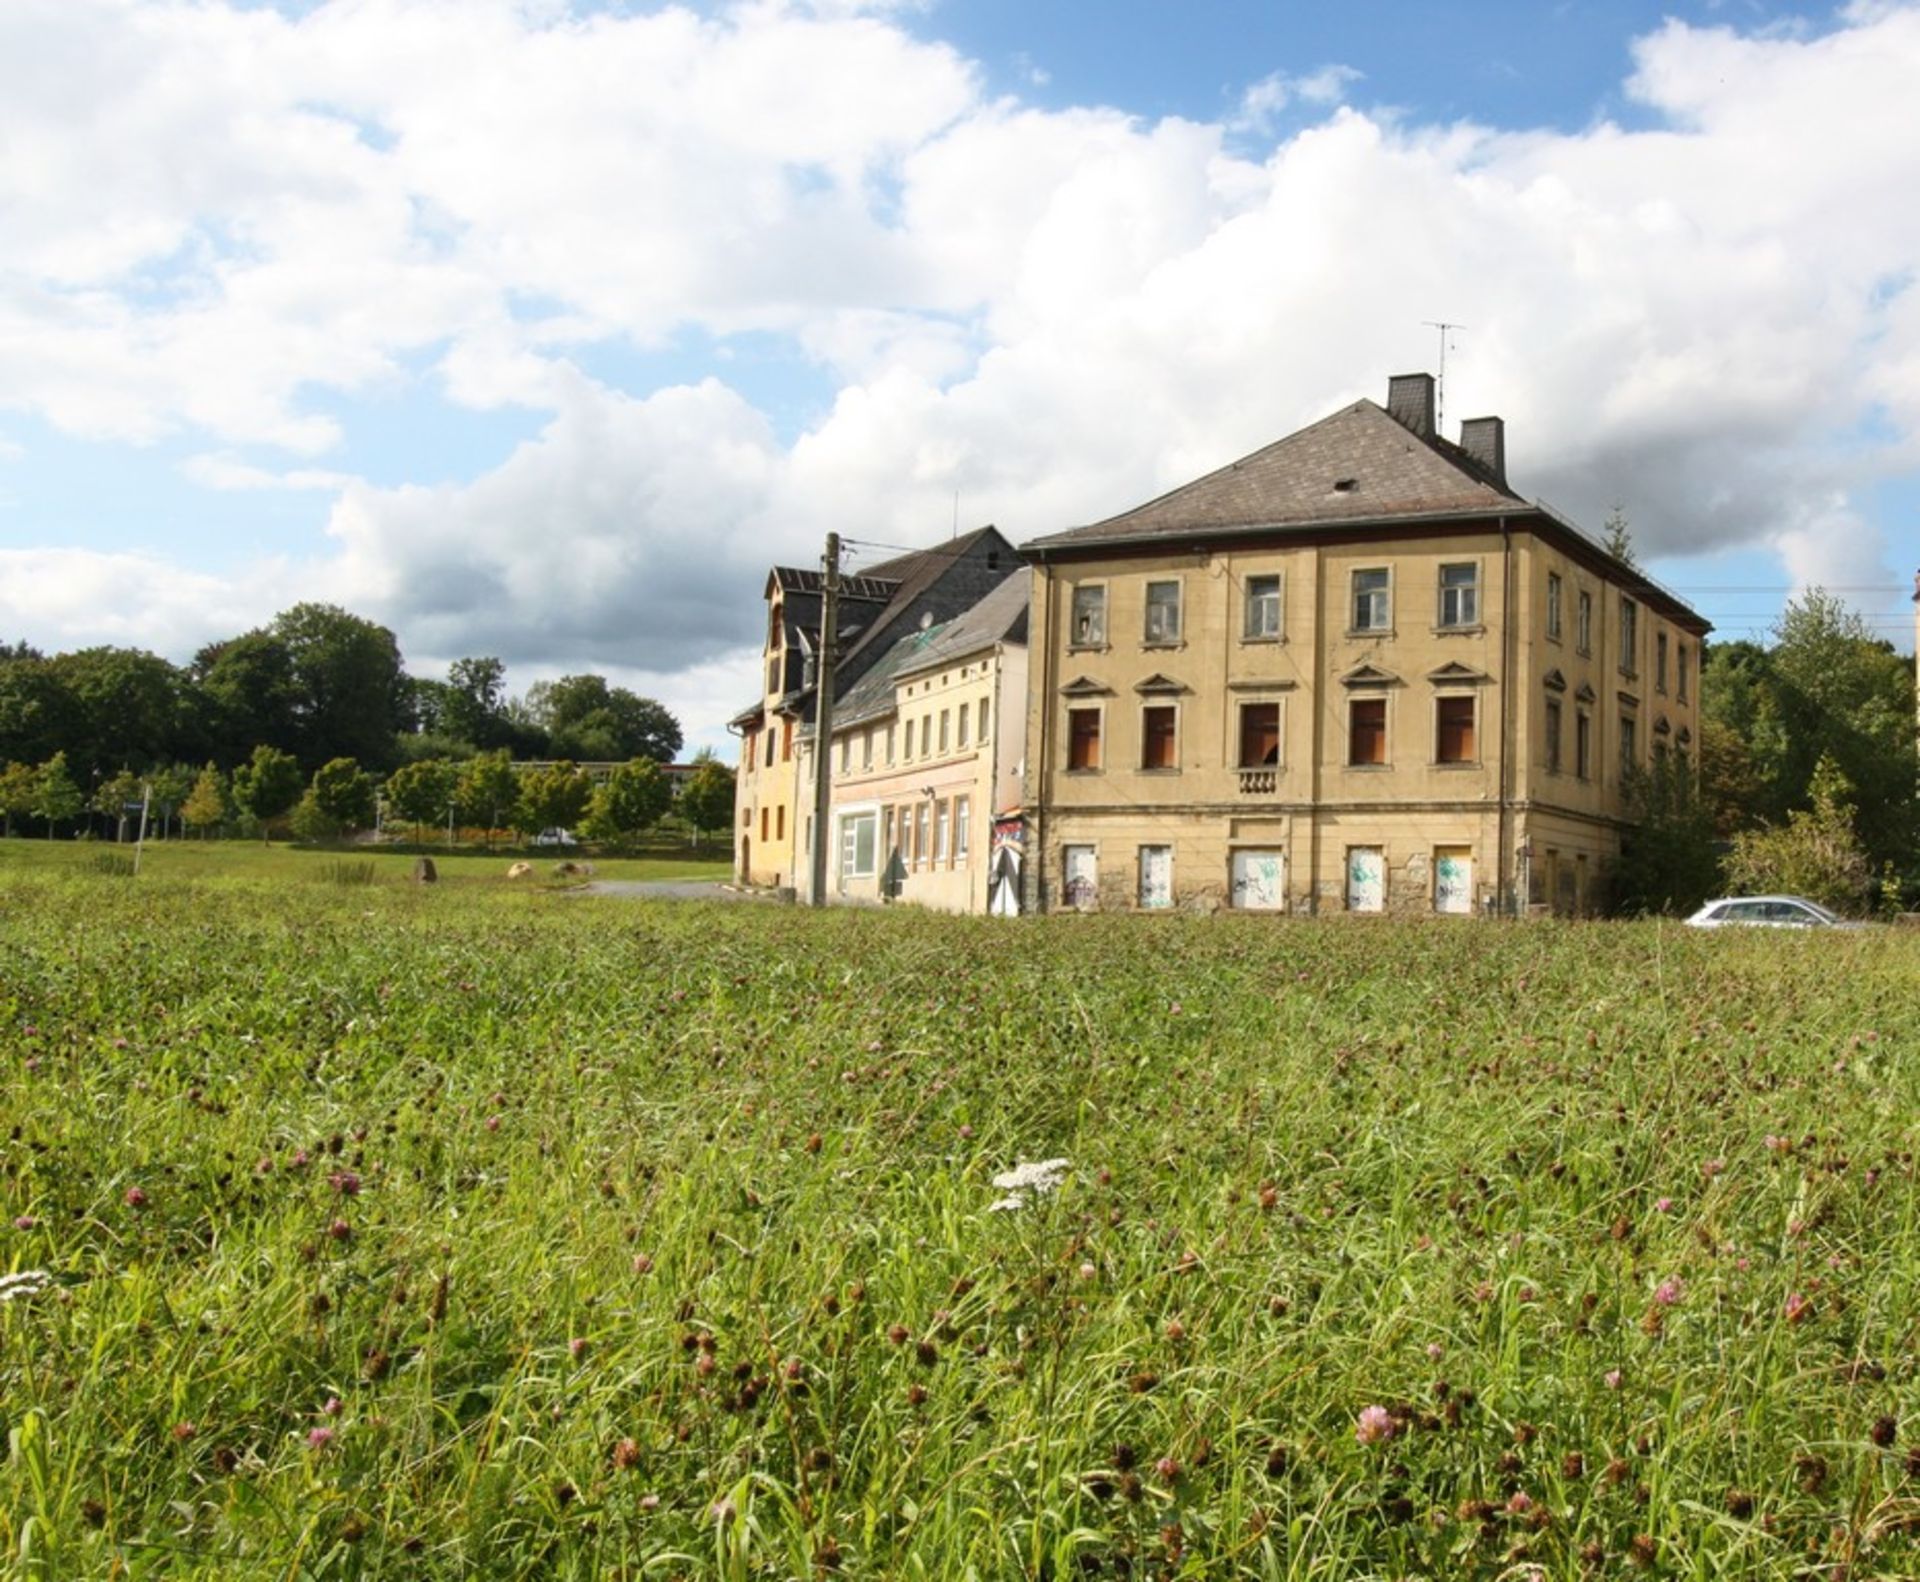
<point>1345,485</point>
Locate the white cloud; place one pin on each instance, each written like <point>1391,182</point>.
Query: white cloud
<point>223,222</point>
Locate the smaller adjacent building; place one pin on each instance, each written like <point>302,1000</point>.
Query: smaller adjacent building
<point>927,750</point>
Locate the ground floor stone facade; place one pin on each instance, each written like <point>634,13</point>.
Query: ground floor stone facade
<point>1406,861</point>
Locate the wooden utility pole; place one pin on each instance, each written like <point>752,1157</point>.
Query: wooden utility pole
<point>823,715</point>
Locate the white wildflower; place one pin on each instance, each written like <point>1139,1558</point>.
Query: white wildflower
<point>28,1282</point>
<point>1025,1180</point>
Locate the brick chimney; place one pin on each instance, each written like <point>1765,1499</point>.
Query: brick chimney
<point>1410,402</point>
<point>1485,440</point>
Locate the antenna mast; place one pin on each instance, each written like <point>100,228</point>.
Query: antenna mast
<point>1440,386</point>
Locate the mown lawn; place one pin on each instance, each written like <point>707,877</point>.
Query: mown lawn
<point>376,1230</point>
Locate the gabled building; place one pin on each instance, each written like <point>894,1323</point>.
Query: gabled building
<point>773,802</point>
<point>927,750</point>
<point>1354,671</point>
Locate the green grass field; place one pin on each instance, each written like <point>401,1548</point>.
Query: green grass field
<point>475,1230</point>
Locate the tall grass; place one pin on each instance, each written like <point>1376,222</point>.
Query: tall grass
<point>442,1233</point>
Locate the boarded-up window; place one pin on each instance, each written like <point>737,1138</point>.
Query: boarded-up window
<point>1259,735</point>
<point>1553,735</point>
<point>1083,738</point>
<point>1157,731</point>
<point>1367,731</point>
<point>1453,728</point>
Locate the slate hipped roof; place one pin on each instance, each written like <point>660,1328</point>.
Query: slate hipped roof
<point>1359,465</point>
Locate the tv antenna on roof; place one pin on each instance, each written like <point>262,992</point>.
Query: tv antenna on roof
<point>1440,385</point>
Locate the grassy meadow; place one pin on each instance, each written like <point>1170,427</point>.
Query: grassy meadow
<point>366,1229</point>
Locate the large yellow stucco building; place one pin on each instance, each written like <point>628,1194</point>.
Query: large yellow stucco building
<point>1354,671</point>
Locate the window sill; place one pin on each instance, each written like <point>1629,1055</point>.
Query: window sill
<point>1371,634</point>
<point>1456,763</point>
<point>1554,638</point>
<point>1088,648</point>
<point>1163,643</point>
<point>1370,769</point>
<point>1072,771</point>
<point>1262,642</point>
<point>1160,770</point>
<point>1469,629</point>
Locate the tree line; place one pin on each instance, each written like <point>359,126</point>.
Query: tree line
<point>1804,781</point>
<point>313,717</point>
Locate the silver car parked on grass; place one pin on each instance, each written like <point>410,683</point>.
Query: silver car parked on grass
<point>1767,911</point>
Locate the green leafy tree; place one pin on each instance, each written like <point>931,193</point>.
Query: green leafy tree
<point>112,797</point>
<point>132,709</point>
<point>38,715</point>
<point>1669,861</point>
<point>344,793</point>
<point>248,695</point>
<point>475,706</point>
<point>349,689</point>
<point>555,797</point>
<point>311,822</point>
<point>171,785</point>
<point>206,805</point>
<point>588,719</point>
<point>267,785</point>
<point>488,790</point>
<point>422,793</point>
<point>55,796</point>
<point>706,801</point>
<point>19,790</point>
<point>631,800</point>
<point>1815,853</point>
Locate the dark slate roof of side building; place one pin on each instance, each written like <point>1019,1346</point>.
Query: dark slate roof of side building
<point>1000,617</point>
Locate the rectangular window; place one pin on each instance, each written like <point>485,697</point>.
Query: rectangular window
<point>1089,628</point>
<point>886,834</point>
<point>890,730</point>
<point>1263,609</point>
<point>1629,746</point>
<point>1553,735</point>
<point>1372,601</point>
<point>926,736</point>
<point>866,749</point>
<point>906,836</point>
<point>962,839</point>
<point>1459,595</point>
<point>1629,636</point>
<point>1660,661</point>
<point>786,741</point>
<point>780,822</point>
<point>960,725</point>
<point>1583,745</point>
<point>1157,729</point>
<point>1453,730</point>
<point>1083,738</point>
<point>1680,656</point>
<point>1163,612</point>
<point>922,845</point>
<point>856,846</point>
<point>846,752</point>
<point>769,748</point>
<point>1081,876</point>
<point>945,721</point>
<point>1553,605</point>
<point>1259,735</point>
<point>766,815</point>
<point>943,828</point>
<point>1367,731</point>
<point>1583,622</point>
<point>983,722</point>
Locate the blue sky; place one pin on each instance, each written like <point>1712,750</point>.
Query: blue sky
<point>599,309</point>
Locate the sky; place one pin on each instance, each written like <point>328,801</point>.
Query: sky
<point>541,329</point>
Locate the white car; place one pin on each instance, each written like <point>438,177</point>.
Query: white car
<point>555,837</point>
<point>1767,911</point>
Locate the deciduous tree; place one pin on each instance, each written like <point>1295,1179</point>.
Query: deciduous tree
<point>343,791</point>
<point>267,785</point>
<point>632,799</point>
<point>706,801</point>
<point>206,805</point>
<point>423,793</point>
<point>55,796</point>
<point>555,797</point>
